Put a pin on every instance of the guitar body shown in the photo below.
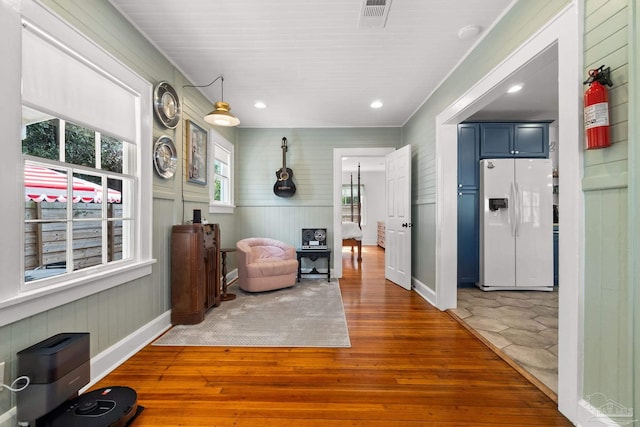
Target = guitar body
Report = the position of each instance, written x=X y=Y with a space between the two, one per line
x=284 y=186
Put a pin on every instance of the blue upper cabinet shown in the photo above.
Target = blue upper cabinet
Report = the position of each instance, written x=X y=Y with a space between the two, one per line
x=468 y=143
x=496 y=140
x=531 y=140
x=505 y=140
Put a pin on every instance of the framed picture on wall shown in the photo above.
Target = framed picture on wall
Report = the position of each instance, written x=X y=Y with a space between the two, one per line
x=196 y=153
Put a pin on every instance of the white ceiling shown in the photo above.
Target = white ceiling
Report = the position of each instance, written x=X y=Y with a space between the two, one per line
x=310 y=61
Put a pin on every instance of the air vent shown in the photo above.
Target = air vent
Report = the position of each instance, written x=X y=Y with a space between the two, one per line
x=374 y=13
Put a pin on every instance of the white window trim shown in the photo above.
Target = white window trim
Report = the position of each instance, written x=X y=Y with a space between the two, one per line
x=214 y=206
x=16 y=304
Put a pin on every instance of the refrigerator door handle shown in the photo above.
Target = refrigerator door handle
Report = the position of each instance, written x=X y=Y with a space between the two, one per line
x=518 y=211
x=511 y=217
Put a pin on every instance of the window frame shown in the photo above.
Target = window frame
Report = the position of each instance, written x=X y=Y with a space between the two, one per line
x=17 y=303
x=218 y=142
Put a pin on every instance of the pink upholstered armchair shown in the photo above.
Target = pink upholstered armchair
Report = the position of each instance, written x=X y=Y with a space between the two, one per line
x=265 y=264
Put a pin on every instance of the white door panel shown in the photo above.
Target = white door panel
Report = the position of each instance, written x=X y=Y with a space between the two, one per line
x=398 y=218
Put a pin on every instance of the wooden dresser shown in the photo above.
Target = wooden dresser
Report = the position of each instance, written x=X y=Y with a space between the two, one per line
x=381 y=230
x=195 y=272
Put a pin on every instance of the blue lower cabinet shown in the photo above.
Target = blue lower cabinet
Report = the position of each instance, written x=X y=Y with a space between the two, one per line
x=468 y=239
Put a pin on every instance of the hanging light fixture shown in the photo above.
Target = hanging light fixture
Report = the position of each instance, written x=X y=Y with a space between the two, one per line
x=221 y=114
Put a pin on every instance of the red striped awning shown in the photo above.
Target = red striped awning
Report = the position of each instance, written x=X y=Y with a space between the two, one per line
x=42 y=184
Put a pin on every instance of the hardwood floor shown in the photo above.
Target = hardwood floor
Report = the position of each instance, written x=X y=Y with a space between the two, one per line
x=409 y=365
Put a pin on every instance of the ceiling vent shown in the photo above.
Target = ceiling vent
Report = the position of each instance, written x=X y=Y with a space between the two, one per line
x=374 y=13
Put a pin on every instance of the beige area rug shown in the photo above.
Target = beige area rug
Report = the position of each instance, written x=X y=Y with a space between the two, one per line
x=309 y=314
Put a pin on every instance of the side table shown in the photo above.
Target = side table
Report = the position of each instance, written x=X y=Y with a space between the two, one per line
x=225 y=296
x=313 y=255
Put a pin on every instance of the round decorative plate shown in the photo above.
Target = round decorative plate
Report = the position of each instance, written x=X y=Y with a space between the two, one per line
x=165 y=157
x=166 y=105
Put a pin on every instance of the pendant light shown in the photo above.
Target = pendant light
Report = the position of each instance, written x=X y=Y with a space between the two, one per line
x=221 y=114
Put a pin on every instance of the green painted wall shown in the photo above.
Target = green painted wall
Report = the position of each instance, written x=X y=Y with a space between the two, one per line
x=310 y=155
x=608 y=318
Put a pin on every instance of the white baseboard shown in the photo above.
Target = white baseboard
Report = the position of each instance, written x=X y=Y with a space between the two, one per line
x=424 y=291
x=118 y=353
x=589 y=416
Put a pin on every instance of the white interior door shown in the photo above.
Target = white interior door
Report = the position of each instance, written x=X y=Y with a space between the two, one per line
x=397 y=255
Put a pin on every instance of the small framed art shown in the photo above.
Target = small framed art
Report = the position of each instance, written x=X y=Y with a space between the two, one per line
x=197 y=153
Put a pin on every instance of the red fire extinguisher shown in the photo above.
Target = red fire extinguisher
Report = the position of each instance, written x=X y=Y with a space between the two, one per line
x=596 y=109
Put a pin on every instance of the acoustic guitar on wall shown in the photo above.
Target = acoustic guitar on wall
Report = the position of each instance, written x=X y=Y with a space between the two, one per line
x=284 y=186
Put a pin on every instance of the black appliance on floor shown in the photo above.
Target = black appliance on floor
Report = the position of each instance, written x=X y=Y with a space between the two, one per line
x=58 y=368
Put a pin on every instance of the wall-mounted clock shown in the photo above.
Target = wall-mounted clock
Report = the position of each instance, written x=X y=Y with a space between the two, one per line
x=165 y=157
x=166 y=105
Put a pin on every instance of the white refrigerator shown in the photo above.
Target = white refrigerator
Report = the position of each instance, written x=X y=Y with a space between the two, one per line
x=516 y=224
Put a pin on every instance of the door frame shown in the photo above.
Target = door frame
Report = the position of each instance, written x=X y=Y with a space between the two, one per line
x=338 y=154
x=565 y=30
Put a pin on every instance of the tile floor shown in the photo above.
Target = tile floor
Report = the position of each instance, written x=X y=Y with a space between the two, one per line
x=522 y=324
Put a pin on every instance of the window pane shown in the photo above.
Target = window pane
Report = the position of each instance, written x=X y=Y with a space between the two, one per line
x=87 y=244
x=114 y=200
x=111 y=154
x=217 y=192
x=87 y=196
x=80 y=147
x=114 y=240
x=45 y=250
x=40 y=138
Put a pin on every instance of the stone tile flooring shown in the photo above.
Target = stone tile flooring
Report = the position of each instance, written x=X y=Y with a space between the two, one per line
x=522 y=324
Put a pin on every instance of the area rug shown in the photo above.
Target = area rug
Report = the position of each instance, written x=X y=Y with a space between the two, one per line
x=309 y=314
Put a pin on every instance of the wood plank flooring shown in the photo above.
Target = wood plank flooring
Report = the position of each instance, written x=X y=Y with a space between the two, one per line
x=409 y=365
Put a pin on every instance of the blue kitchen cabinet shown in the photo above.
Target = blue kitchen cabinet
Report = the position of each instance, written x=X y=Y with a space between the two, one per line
x=496 y=140
x=468 y=239
x=508 y=140
x=531 y=140
x=468 y=191
x=468 y=146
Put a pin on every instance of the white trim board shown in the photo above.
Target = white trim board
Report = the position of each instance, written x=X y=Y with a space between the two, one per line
x=564 y=30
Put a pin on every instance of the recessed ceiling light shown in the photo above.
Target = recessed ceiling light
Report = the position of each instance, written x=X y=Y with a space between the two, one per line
x=260 y=105
x=468 y=32
x=376 y=104
x=515 y=88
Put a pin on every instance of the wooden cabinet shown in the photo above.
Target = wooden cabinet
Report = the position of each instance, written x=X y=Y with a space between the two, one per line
x=195 y=272
x=381 y=230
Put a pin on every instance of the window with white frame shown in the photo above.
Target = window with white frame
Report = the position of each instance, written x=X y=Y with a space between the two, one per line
x=78 y=200
x=222 y=157
x=83 y=120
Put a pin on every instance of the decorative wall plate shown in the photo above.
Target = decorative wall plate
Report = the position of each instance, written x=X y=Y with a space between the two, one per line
x=165 y=157
x=166 y=105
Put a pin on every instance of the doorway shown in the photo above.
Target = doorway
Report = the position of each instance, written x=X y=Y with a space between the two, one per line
x=562 y=31
x=347 y=158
